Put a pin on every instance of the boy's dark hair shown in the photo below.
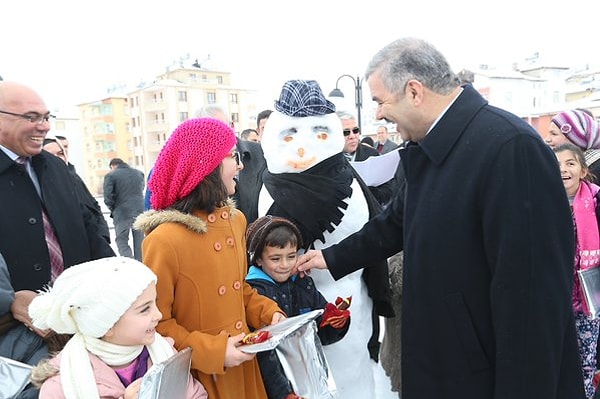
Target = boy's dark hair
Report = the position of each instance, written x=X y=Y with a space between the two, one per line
x=271 y=231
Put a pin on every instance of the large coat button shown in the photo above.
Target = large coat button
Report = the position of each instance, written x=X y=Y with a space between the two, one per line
x=230 y=241
x=237 y=285
x=239 y=325
x=32 y=220
x=37 y=267
x=225 y=215
x=222 y=290
x=212 y=218
x=218 y=246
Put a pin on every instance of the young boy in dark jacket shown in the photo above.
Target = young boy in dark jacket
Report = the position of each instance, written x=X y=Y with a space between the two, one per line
x=273 y=244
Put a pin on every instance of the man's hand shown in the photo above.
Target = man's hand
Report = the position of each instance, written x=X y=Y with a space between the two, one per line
x=19 y=309
x=310 y=260
x=20 y=306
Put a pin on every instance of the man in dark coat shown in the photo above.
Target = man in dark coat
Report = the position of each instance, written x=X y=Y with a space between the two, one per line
x=33 y=182
x=124 y=197
x=250 y=178
x=55 y=147
x=487 y=237
x=354 y=150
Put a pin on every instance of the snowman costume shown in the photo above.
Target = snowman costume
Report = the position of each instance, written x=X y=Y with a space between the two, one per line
x=309 y=181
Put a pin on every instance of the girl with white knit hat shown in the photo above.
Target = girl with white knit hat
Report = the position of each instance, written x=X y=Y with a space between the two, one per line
x=109 y=305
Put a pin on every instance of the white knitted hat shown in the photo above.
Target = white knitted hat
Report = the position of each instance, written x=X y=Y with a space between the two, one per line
x=89 y=298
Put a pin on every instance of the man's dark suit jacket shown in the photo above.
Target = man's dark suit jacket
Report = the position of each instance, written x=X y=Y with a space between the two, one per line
x=250 y=178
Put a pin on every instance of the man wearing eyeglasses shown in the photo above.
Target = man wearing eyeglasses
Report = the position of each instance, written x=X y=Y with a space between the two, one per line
x=354 y=150
x=43 y=227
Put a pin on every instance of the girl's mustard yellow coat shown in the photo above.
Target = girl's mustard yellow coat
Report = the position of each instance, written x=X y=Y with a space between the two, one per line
x=201 y=264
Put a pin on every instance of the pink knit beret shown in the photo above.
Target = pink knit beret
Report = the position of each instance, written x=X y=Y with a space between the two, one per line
x=580 y=128
x=194 y=150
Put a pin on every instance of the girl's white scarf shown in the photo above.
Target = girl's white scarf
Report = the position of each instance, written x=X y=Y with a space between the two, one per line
x=76 y=374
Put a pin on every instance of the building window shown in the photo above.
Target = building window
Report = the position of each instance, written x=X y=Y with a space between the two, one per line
x=235 y=117
x=211 y=98
x=220 y=80
x=233 y=98
x=204 y=78
x=193 y=77
x=183 y=96
x=183 y=116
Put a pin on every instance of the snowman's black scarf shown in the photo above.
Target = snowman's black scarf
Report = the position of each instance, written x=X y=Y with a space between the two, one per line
x=311 y=199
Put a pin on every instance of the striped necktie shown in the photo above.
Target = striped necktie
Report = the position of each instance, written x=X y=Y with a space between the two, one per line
x=54 y=250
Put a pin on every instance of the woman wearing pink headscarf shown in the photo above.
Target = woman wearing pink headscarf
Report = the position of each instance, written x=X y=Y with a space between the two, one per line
x=582 y=129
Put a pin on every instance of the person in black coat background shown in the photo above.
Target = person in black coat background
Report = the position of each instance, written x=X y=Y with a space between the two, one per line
x=487 y=237
x=250 y=178
x=55 y=147
x=124 y=197
x=354 y=150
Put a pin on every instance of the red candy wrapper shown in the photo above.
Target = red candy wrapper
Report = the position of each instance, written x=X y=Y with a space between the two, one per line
x=256 y=337
x=336 y=315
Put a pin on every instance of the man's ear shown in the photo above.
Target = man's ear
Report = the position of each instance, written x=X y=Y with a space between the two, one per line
x=414 y=91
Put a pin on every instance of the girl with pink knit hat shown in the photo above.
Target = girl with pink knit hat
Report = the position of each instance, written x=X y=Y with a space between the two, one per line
x=579 y=127
x=195 y=243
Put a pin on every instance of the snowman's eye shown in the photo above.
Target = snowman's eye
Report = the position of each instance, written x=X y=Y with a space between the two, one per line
x=321 y=132
x=287 y=135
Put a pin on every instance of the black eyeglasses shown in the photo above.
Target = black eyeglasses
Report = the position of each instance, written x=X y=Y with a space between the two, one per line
x=32 y=117
x=355 y=130
x=237 y=156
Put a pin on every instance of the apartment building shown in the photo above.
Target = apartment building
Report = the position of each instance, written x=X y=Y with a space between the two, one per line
x=134 y=123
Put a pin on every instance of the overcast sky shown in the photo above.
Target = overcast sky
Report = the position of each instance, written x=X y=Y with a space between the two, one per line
x=71 y=51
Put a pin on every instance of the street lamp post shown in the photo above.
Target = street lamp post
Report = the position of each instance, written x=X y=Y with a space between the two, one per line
x=357 y=94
